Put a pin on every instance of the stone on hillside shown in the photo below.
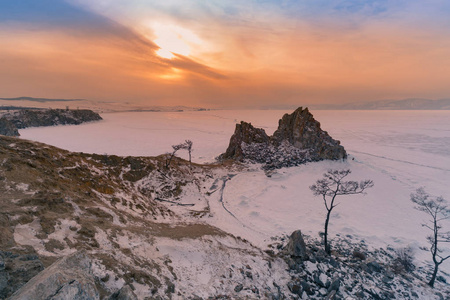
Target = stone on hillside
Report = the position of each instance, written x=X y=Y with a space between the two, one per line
x=70 y=278
x=125 y=293
x=296 y=246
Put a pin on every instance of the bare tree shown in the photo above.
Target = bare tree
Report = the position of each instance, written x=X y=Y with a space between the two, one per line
x=175 y=149
x=188 y=146
x=332 y=185
x=437 y=209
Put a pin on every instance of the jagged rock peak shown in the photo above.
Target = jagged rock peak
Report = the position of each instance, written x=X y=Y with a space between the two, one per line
x=297 y=140
x=244 y=133
x=302 y=131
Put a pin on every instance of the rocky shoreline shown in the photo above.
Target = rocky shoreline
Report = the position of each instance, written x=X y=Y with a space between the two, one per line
x=12 y=120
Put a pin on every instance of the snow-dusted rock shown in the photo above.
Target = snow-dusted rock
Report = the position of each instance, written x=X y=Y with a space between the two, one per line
x=297 y=140
x=247 y=134
x=302 y=131
x=69 y=278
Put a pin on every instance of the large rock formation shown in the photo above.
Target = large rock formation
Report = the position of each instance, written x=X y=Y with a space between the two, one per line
x=297 y=140
x=302 y=131
x=24 y=118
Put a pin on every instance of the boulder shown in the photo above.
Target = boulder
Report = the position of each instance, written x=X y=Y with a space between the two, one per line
x=125 y=293
x=69 y=278
x=296 y=246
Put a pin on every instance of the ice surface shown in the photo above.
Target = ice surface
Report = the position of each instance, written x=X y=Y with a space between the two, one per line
x=399 y=150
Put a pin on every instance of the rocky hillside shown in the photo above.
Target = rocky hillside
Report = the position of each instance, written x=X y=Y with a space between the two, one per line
x=297 y=140
x=130 y=216
x=11 y=121
x=83 y=226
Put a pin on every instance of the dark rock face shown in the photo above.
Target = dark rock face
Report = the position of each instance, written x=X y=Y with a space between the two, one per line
x=51 y=117
x=69 y=278
x=302 y=131
x=25 y=118
x=296 y=246
x=125 y=293
x=16 y=270
x=8 y=128
x=297 y=140
x=245 y=133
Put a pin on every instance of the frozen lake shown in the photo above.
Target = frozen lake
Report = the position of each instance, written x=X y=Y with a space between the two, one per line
x=399 y=150
x=412 y=146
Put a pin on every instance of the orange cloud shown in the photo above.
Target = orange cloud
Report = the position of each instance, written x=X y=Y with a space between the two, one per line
x=247 y=58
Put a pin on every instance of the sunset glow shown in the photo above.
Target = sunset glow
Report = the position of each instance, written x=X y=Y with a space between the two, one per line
x=173 y=39
x=225 y=53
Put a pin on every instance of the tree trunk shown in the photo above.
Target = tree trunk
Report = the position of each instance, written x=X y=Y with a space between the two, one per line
x=325 y=238
x=169 y=161
x=433 y=277
x=434 y=251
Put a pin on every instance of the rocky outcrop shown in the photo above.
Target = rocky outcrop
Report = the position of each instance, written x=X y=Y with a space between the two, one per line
x=125 y=293
x=302 y=131
x=16 y=270
x=24 y=118
x=8 y=128
x=245 y=133
x=70 y=278
x=297 y=140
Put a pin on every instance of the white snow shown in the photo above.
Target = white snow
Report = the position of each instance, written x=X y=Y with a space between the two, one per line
x=399 y=150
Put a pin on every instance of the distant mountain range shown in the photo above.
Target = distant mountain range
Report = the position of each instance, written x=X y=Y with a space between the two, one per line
x=39 y=99
x=405 y=104
x=105 y=106
x=97 y=106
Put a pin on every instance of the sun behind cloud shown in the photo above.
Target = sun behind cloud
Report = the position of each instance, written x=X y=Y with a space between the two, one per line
x=173 y=39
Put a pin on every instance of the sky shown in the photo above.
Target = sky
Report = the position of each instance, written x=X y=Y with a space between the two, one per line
x=225 y=53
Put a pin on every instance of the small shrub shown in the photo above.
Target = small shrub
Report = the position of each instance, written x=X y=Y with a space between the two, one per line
x=403 y=261
x=359 y=255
